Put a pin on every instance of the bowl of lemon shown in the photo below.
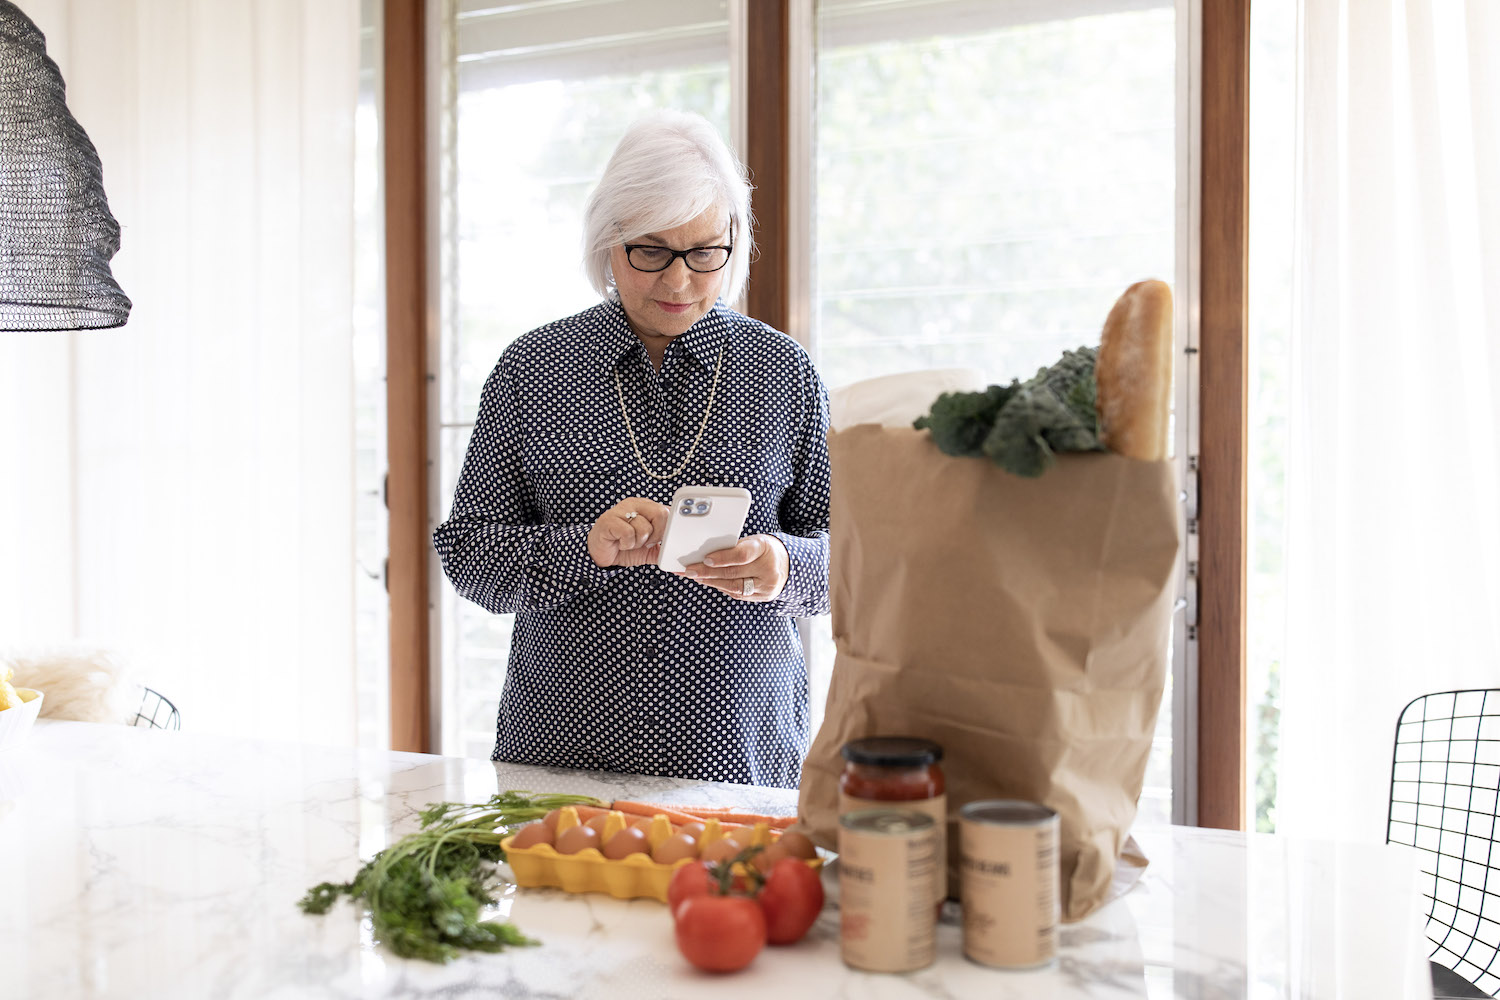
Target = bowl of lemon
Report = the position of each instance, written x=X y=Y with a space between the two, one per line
x=19 y=708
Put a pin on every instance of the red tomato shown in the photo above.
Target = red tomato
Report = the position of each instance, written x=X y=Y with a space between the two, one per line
x=720 y=933
x=792 y=899
x=690 y=880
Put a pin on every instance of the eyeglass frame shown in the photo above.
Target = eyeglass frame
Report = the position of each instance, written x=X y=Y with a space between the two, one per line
x=728 y=252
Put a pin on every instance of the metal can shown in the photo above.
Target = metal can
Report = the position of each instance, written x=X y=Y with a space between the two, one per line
x=1009 y=877
x=887 y=876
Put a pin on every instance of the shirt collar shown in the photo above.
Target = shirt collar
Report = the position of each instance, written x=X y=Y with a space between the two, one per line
x=701 y=342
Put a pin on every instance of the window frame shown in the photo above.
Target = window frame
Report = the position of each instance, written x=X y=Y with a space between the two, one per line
x=777 y=39
x=409 y=417
x=1223 y=400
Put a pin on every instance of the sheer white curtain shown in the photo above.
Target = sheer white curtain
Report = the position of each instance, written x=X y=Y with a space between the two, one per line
x=181 y=490
x=1393 y=486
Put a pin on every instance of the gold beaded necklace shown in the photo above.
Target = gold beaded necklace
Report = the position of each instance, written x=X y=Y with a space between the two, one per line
x=620 y=390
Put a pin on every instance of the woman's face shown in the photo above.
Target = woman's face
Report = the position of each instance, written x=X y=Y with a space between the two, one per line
x=662 y=305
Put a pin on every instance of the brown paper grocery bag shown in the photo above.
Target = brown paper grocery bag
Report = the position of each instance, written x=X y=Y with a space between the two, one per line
x=1021 y=623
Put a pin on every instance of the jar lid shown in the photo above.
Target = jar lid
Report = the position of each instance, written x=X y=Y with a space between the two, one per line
x=893 y=751
x=1007 y=812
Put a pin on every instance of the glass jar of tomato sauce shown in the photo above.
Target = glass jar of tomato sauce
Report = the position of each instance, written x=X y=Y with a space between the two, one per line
x=881 y=770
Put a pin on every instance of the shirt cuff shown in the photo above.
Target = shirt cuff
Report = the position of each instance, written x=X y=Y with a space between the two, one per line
x=566 y=553
x=806 y=590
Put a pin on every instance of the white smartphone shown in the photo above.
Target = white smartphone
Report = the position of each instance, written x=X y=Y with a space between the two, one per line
x=702 y=519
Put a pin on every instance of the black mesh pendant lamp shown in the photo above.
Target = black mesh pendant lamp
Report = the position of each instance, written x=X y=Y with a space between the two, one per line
x=56 y=233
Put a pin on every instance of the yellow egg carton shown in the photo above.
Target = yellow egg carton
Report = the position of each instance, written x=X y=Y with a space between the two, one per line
x=635 y=876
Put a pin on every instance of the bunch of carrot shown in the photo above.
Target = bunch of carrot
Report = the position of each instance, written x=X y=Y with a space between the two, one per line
x=680 y=815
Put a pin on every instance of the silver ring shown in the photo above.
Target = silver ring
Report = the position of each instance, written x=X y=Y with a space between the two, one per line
x=747 y=587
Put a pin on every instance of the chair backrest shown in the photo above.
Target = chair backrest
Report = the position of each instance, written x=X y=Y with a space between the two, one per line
x=156 y=712
x=1445 y=773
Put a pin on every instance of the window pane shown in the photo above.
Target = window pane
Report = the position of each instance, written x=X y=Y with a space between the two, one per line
x=372 y=603
x=1273 y=114
x=544 y=90
x=988 y=183
x=983 y=198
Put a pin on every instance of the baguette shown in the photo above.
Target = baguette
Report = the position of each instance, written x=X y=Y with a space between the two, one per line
x=1134 y=372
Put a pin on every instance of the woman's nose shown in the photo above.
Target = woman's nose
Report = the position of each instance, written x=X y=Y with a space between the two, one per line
x=677 y=275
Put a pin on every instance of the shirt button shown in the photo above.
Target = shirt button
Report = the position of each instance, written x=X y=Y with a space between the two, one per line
x=650 y=652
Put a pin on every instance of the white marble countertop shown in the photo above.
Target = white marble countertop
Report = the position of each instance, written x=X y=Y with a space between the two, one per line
x=136 y=863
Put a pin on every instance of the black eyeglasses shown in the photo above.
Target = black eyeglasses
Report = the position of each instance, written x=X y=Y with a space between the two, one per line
x=705 y=260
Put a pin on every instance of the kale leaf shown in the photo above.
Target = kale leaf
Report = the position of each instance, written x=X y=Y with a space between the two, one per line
x=960 y=421
x=1022 y=427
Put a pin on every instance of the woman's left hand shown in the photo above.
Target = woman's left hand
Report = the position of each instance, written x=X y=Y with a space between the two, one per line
x=753 y=569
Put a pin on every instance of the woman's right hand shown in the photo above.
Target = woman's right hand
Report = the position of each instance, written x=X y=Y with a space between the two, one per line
x=628 y=534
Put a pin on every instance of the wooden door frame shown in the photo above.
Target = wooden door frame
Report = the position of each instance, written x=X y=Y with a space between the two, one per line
x=403 y=148
x=767 y=155
x=1223 y=399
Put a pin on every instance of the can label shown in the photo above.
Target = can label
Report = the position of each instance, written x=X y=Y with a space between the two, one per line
x=887 y=871
x=1010 y=891
x=936 y=807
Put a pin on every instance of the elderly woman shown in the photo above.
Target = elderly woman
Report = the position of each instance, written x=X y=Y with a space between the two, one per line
x=586 y=427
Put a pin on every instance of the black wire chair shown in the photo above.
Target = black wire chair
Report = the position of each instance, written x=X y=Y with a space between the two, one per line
x=156 y=712
x=1445 y=773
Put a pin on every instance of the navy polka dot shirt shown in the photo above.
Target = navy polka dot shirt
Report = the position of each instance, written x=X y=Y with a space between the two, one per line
x=634 y=669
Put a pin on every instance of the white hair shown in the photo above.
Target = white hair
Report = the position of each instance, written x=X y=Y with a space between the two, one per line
x=669 y=168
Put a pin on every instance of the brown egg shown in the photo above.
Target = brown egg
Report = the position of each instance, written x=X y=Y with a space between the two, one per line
x=643 y=824
x=720 y=850
x=532 y=834
x=577 y=838
x=742 y=835
x=674 y=849
x=627 y=842
x=597 y=823
x=764 y=859
x=551 y=819
x=694 y=830
x=798 y=845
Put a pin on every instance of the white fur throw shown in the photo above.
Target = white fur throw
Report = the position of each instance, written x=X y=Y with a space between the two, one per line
x=82 y=684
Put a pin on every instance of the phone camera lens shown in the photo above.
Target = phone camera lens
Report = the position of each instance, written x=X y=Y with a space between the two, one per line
x=702 y=507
